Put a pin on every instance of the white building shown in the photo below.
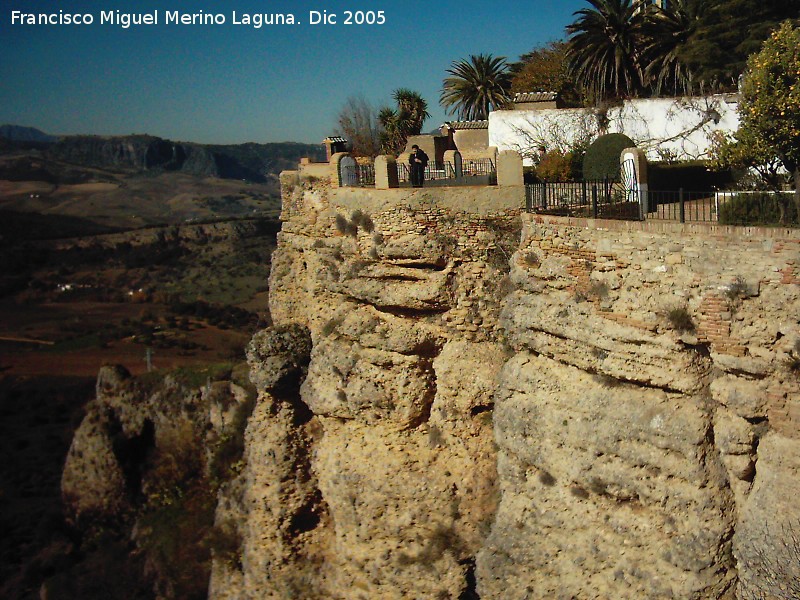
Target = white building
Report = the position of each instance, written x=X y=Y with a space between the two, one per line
x=665 y=128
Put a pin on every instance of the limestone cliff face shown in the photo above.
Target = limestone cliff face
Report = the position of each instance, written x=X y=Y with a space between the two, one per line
x=377 y=477
x=143 y=468
x=579 y=410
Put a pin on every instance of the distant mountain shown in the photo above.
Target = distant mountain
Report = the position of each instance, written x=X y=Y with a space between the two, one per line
x=146 y=153
x=17 y=133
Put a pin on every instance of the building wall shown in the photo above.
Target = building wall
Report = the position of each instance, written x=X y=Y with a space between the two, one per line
x=534 y=105
x=471 y=140
x=665 y=128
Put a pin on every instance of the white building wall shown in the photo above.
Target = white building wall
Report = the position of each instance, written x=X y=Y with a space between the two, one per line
x=665 y=128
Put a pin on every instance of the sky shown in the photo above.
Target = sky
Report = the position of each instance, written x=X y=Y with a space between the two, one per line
x=230 y=83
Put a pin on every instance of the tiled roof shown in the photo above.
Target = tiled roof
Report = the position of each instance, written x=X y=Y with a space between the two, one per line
x=535 y=97
x=459 y=125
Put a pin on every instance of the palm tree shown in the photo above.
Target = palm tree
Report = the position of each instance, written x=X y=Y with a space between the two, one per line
x=476 y=86
x=413 y=109
x=665 y=33
x=401 y=122
x=602 y=48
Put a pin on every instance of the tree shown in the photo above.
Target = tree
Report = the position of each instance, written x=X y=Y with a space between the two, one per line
x=624 y=48
x=413 y=108
x=358 y=122
x=769 y=109
x=726 y=33
x=403 y=121
x=603 y=48
x=476 y=86
x=545 y=69
x=665 y=32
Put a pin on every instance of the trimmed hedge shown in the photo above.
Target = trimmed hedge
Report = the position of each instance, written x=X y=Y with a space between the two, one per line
x=696 y=176
x=601 y=160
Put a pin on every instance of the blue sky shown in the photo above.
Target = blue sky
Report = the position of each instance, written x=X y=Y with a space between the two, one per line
x=235 y=83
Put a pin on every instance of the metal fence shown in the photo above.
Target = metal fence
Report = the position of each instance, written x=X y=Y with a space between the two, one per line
x=597 y=199
x=480 y=167
x=611 y=200
x=468 y=172
x=357 y=176
x=726 y=208
x=682 y=206
x=434 y=171
x=758 y=208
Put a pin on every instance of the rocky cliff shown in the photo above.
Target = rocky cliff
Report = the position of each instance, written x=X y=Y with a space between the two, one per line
x=587 y=410
x=458 y=401
x=145 y=153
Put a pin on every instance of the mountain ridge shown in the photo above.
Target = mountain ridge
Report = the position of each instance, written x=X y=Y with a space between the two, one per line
x=138 y=153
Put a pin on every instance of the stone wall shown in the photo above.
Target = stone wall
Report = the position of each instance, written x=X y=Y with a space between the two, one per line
x=645 y=418
x=508 y=406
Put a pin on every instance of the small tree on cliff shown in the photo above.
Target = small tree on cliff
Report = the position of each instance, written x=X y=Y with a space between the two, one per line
x=769 y=110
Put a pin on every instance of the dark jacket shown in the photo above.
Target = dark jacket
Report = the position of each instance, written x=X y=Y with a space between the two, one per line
x=420 y=154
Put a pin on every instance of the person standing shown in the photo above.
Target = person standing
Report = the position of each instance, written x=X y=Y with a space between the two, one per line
x=418 y=161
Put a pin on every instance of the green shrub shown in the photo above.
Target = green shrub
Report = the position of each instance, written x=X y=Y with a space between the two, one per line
x=601 y=160
x=555 y=166
x=173 y=537
x=368 y=224
x=737 y=289
x=680 y=319
x=531 y=259
x=793 y=358
x=228 y=451
x=225 y=543
x=759 y=209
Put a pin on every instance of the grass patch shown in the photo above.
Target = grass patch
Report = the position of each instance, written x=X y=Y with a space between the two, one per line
x=680 y=319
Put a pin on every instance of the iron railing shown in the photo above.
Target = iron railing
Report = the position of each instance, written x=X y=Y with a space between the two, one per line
x=478 y=167
x=434 y=171
x=611 y=200
x=603 y=199
x=357 y=176
x=471 y=172
x=682 y=206
x=758 y=208
x=726 y=208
